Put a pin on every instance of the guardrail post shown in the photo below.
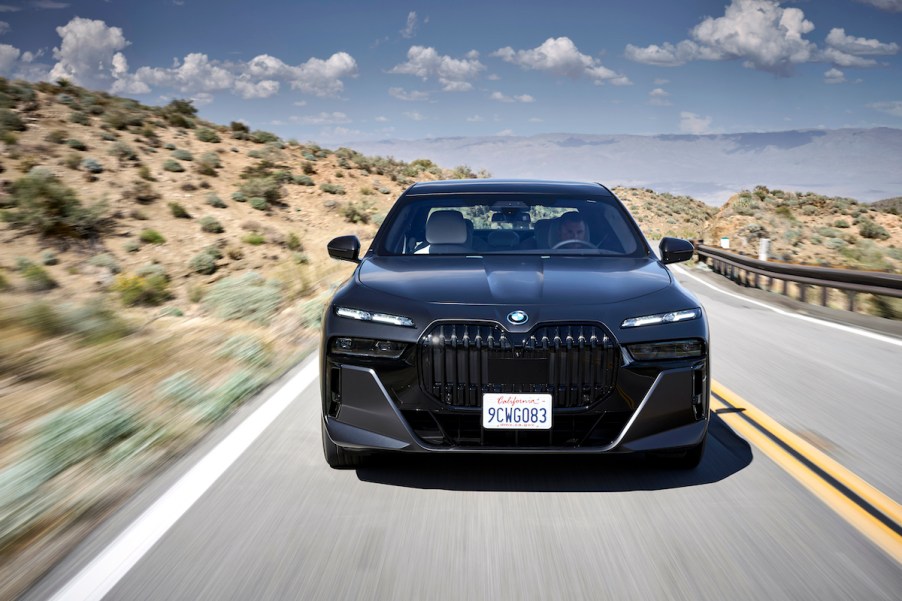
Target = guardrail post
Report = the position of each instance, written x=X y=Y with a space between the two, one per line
x=785 y=287
x=851 y=295
x=803 y=293
x=824 y=294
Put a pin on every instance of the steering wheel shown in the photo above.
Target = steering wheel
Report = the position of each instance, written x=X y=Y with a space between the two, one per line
x=585 y=243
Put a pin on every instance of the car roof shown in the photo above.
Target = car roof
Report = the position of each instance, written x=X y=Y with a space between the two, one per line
x=506 y=186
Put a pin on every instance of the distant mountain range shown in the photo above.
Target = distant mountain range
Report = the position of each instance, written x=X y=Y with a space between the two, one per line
x=864 y=164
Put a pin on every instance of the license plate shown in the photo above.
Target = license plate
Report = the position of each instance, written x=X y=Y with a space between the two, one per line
x=516 y=411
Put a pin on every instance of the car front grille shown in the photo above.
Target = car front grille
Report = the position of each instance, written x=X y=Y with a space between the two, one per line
x=459 y=362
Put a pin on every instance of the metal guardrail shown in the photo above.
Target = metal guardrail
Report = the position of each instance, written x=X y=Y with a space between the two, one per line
x=751 y=272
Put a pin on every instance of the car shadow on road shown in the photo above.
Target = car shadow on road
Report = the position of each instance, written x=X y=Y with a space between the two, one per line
x=725 y=455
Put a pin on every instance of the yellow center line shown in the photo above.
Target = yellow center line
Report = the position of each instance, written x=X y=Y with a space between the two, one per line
x=761 y=430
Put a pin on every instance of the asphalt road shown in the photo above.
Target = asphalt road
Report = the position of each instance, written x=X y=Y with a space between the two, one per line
x=279 y=524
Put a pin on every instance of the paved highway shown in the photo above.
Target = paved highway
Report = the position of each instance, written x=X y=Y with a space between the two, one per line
x=279 y=524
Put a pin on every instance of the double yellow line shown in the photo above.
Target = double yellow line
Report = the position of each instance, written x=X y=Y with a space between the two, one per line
x=867 y=509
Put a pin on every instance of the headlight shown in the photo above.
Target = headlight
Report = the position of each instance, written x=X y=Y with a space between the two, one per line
x=672 y=349
x=659 y=318
x=394 y=320
x=364 y=347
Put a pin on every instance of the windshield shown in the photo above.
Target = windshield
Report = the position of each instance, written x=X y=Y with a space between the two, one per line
x=476 y=224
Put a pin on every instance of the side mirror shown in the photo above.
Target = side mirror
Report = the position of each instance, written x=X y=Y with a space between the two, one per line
x=675 y=250
x=345 y=248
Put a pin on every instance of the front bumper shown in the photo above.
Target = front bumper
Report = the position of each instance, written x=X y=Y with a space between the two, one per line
x=647 y=413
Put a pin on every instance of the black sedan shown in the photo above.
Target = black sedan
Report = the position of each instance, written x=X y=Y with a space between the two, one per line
x=494 y=316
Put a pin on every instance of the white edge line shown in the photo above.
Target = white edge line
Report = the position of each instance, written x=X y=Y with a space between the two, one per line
x=829 y=324
x=97 y=578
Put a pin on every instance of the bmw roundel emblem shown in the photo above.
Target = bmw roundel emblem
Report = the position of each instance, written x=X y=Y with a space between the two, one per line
x=517 y=317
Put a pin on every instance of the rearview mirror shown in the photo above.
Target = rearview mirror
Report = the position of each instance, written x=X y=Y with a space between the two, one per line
x=345 y=248
x=675 y=250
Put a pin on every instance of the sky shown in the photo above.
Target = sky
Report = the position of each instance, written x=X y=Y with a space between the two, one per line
x=333 y=72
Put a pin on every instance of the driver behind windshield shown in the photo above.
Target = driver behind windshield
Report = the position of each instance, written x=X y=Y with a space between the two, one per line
x=572 y=227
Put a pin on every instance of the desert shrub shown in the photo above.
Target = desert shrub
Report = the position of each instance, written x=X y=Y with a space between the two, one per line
x=259 y=203
x=73 y=434
x=205 y=134
x=183 y=388
x=169 y=146
x=48 y=257
x=123 y=152
x=235 y=389
x=91 y=166
x=293 y=242
x=262 y=137
x=143 y=192
x=308 y=168
x=886 y=307
x=45 y=206
x=300 y=258
x=151 y=236
x=105 y=260
x=332 y=188
x=91 y=322
x=10 y=121
x=865 y=254
x=302 y=180
x=37 y=279
x=208 y=164
x=211 y=225
x=57 y=136
x=828 y=232
x=108 y=137
x=367 y=191
x=358 y=212
x=871 y=229
x=188 y=187
x=254 y=239
x=263 y=187
x=144 y=173
x=76 y=144
x=841 y=223
x=203 y=263
x=245 y=349
x=383 y=190
x=173 y=165
x=182 y=155
x=785 y=212
x=239 y=126
x=178 y=211
x=239 y=197
x=132 y=246
x=142 y=290
x=214 y=201
x=247 y=296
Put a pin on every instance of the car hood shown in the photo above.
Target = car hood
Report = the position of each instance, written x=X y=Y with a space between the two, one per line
x=520 y=280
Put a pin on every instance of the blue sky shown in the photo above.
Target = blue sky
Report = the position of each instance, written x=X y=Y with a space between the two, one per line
x=356 y=70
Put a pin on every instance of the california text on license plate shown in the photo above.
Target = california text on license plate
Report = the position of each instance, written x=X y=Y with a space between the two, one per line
x=516 y=411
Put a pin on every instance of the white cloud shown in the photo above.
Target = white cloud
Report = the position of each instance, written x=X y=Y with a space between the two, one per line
x=201 y=99
x=504 y=98
x=4 y=27
x=415 y=116
x=380 y=119
x=333 y=118
x=892 y=107
x=87 y=54
x=9 y=56
x=536 y=120
x=411 y=27
x=764 y=36
x=694 y=124
x=887 y=5
x=260 y=77
x=660 y=81
x=454 y=74
x=505 y=132
x=848 y=44
x=411 y=96
x=834 y=76
x=659 y=97
x=475 y=119
x=560 y=56
x=6 y=8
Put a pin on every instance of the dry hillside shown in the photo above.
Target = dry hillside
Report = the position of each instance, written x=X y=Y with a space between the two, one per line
x=156 y=269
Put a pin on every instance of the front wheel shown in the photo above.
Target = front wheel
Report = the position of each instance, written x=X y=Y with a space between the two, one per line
x=337 y=457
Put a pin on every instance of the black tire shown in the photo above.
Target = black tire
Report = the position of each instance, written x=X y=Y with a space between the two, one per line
x=337 y=457
x=683 y=460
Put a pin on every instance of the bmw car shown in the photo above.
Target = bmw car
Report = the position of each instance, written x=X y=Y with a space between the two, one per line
x=496 y=316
